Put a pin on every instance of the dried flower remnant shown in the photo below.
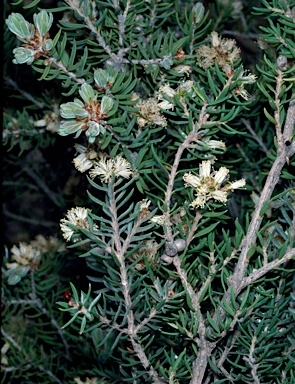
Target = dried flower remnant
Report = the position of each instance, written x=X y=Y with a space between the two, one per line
x=118 y=166
x=85 y=116
x=181 y=92
x=148 y=250
x=208 y=185
x=149 y=112
x=224 y=52
x=77 y=216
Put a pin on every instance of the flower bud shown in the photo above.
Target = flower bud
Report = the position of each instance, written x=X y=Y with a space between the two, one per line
x=106 y=104
x=198 y=11
x=87 y=93
x=20 y=27
x=43 y=21
x=23 y=55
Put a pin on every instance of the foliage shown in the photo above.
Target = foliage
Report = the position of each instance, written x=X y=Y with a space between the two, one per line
x=160 y=135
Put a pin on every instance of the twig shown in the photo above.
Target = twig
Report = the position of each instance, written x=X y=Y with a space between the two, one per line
x=251 y=361
x=27 y=95
x=28 y=220
x=255 y=136
x=188 y=140
x=119 y=252
x=255 y=275
x=42 y=185
x=59 y=65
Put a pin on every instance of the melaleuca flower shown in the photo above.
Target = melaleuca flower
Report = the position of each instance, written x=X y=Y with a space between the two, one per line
x=77 y=216
x=36 y=38
x=50 y=244
x=208 y=185
x=215 y=144
x=186 y=69
x=118 y=166
x=224 y=52
x=245 y=77
x=26 y=258
x=86 y=158
x=24 y=255
x=86 y=115
x=158 y=219
x=181 y=92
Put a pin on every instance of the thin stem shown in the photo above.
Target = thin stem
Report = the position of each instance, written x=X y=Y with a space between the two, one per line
x=120 y=255
x=188 y=140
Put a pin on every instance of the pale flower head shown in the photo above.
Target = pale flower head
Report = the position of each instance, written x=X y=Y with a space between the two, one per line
x=208 y=185
x=223 y=51
x=118 y=166
x=122 y=167
x=236 y=184
x=144 y=204
x=216 y=144
x=205 y=169
x=166 y=90
x=77 y=216
x=25 y=254
x=158 y=219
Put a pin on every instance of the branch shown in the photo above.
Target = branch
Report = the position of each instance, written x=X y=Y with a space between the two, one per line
x=120 y=255
x=188 y=140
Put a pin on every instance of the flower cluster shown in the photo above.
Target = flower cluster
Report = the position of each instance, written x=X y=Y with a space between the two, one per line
x=224 y=52
x=36 y=38
x=209 y=185
x=27 y=257
x=76 y=216
x=119 y=167
x=85 y=116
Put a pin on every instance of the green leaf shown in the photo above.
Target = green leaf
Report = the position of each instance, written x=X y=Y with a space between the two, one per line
x=204 y=231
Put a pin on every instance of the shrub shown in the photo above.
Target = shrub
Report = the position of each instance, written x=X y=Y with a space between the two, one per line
x=160 y=137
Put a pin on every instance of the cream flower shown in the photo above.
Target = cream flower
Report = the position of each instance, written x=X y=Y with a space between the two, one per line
x=122 y=167
x=77 y=216
x=208 y=185
x=158 y=219
x=144 y=204
x=118 y=166
x=85 y=159
x=25 y=254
